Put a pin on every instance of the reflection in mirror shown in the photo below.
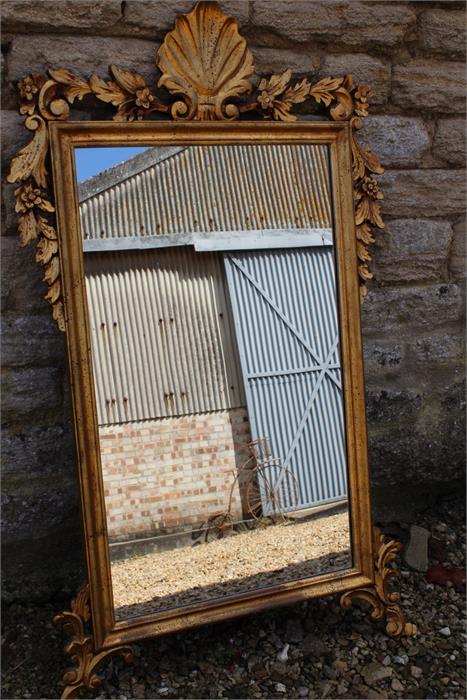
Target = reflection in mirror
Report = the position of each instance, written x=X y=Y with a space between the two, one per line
x=210 y=278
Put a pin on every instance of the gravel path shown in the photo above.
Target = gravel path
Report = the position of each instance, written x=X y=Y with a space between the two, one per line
x=243 y=562
x=330 y=654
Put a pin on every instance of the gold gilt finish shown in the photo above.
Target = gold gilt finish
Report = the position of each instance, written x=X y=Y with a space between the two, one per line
x=206 y=88
x=81 y=648
x=207 y=66
x=382 y=599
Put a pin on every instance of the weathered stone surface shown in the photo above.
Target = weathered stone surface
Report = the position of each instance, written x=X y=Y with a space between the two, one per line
x=31 y=395
x=443 y=31
x=388 y=310
x=152 y=18
x=412 y=451
x=39 y=451
x=350 y=23
x=423 y=193
x=458 y=258
x=389 y=405
x=383 y=357
x=440 y=347
x=416 y=552
x=24 y=16
x=449 y=141
x=14 y=135
x=365 y=70
x=438 y=86
x=397 y=141
x=269 y=60
x=413 y=250
x=22 y=288
x=31 y=340
x=83 y=54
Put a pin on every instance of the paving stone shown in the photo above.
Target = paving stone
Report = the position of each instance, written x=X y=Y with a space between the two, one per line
x=416 y=552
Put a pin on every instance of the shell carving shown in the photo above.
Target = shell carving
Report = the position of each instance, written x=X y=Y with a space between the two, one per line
x=206 y=61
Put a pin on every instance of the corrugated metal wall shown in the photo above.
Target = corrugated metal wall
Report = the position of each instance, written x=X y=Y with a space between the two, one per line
x=216 y=188
x=162 y=336
x=285 y=312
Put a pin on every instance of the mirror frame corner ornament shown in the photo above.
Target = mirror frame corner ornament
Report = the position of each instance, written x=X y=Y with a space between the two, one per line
x=224 y=92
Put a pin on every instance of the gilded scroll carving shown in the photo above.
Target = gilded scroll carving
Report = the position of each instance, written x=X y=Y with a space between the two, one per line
x=80 y=648
x=381 y=597
x=206 y=74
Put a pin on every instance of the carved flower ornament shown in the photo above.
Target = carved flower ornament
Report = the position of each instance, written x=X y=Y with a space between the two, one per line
x=206 y=70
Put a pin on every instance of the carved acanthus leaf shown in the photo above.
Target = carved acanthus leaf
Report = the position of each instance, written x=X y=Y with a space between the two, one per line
x=75 y=87
x=381 y=597
x=27 y=228
x=30 y=161
x=278 y=97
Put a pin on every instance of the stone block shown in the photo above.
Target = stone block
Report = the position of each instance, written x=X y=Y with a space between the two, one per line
x=276 y=60
x=412 y=451
x=24 y=16
x=437 y=348
x=31 y=340
x=416 y=552
x=365 y=70
x=22 y=288
x=14 y=136
x=449 y=141
x=389 y=405
x=383 y=358
x=423 y=193
x=413 y=250
x=154 y=18
x=397 y=141
x=438 y=86
x=443 y=31
x=350 y=23
x=82 y=54
x=458 y=258
x=398 y=309
x=46 y=451
x=31 y=395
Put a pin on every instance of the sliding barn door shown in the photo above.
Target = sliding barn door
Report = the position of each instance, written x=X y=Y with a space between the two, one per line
x=285 y=315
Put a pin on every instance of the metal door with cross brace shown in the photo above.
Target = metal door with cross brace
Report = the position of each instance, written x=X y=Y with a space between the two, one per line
x=285 y=315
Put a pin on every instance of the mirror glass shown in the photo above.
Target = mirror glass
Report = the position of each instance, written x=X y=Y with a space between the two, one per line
x=211 y=286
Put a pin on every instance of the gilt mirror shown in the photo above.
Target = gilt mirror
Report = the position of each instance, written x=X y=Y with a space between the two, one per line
x=207 y=262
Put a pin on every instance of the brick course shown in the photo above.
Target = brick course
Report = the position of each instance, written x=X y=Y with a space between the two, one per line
x=165 y=475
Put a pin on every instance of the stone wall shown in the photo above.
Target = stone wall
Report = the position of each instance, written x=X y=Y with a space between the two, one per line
x=412 y=54
x=163 y=475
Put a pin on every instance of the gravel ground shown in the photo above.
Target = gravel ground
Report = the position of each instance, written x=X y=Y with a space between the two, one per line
x=243 y=562
x=314 y=650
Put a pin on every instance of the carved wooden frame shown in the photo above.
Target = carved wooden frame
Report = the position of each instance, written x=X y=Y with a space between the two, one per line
x=206 y=94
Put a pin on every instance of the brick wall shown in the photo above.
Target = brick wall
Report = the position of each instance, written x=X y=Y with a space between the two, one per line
x=413 y=55
x=164 y=475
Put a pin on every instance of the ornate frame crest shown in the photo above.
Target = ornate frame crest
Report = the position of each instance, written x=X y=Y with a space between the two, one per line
x=206 y=73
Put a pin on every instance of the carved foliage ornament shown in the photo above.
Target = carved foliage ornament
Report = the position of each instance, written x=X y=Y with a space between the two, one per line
x=207 y=67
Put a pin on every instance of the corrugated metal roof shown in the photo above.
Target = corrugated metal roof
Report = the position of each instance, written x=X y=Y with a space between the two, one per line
x=162 y=336
x=214 y=188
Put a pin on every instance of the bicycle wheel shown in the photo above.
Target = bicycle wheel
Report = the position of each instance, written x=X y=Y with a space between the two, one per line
x=272 y=491
x=218 y=526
